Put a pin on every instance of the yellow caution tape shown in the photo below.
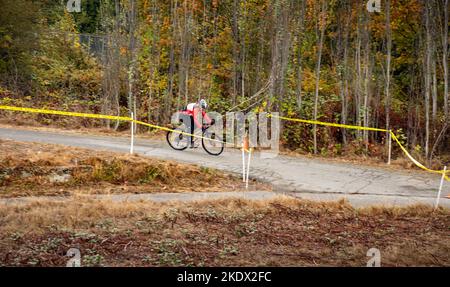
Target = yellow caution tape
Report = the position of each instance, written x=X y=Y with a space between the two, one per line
x=97 y=116
x=329 y=124
x=63 y=113
x=417 y=163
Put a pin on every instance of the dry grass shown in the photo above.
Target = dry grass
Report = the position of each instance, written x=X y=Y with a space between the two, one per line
x=281 y=232
x=43 y=169
x=70 y=129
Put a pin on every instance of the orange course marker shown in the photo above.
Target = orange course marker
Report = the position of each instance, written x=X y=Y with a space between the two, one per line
x=245 y=144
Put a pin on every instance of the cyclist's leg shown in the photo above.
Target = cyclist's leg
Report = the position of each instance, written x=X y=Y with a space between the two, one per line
x=192 y=131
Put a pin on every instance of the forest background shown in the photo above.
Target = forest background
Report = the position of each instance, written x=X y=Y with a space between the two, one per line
x=332 y=61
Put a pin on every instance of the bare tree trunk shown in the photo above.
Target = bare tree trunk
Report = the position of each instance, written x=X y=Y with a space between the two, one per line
x=285 y=48
x=132 y=59
x=434 y=92
x=344 y=77
x=117 y=64
x=280 y=51
x=214 y=48
x=341 y=62
x=275 y=55
x=427 y=75
x=387 y=90
x=367 y=77
x=187 y=53
x=434 y=84
x=411 y=108
x=439 y=138
x=237 y=69
x=322 y=24
x=155 y=59
x=445 y=58
x=243 y=56
x=259 y=61
x=301 y=29
x=106 y=17
x=169 y=92
x=107 y=83
x=183 y=73
x=357 y=82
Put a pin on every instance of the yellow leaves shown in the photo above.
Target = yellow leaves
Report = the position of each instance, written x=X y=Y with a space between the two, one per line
x=262 y=107
x=197 y=6
x=164 y=42
x=166 y=24
x=123 y=51
x=146 y=5
x=308 y=81
x=7 y=39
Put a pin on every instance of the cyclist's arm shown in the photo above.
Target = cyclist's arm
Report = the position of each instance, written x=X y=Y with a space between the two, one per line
x=205 y=117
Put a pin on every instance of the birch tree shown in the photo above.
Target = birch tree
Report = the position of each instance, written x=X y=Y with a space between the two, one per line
x=387 y=88
x=322 y=25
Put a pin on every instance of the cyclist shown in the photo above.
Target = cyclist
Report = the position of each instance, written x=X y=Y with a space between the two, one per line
x=194 y=110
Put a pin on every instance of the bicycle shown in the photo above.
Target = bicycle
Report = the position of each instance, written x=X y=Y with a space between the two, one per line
x=212 y=143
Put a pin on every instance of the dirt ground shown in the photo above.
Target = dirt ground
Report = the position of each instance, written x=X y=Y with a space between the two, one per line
x=281 y=232
x=233 y=232
x=33 y=169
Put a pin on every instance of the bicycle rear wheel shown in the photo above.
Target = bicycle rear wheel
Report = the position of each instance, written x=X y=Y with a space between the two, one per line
x=212 y=143
x=177 y=141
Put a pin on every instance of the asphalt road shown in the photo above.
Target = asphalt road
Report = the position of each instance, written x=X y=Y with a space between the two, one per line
x=313 y=179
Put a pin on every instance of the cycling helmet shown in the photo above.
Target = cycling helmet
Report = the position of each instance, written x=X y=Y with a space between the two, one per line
x=202 y=103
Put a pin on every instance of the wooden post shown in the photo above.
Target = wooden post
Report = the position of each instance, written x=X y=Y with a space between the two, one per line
x=243 y=163
x=132 y=134
x=389 y=146
x=248 y=168
x=440 y=189
x=244 y=149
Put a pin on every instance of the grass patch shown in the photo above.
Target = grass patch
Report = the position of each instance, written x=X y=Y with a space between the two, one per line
x=42 y=169
x=280 y=232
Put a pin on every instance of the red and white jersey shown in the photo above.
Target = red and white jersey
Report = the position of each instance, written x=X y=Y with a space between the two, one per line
x=193 y=109
x=190 y=107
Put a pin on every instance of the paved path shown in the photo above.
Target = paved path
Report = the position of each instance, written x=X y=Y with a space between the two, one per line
x=302 y=177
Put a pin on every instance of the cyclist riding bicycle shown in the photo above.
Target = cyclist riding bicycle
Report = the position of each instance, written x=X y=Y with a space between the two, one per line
x=194 y=111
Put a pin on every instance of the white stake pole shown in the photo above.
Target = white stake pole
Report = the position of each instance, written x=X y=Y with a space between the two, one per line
x=243 y=164
x=390 y=147
x=248 y=167
x=132 y=134
x=440 y=189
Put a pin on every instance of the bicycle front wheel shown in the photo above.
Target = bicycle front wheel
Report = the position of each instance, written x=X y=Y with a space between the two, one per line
x=212 y=143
